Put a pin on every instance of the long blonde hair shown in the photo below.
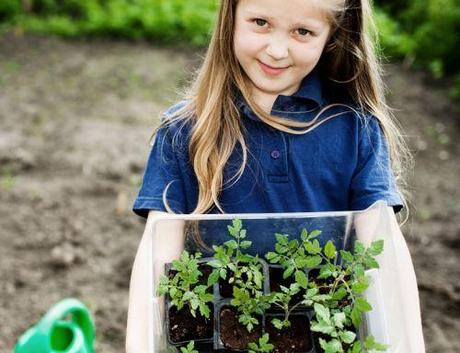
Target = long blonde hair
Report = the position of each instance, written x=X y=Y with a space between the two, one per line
x=352 y=68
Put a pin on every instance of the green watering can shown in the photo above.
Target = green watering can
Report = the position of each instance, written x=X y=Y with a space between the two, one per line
x=66 y=328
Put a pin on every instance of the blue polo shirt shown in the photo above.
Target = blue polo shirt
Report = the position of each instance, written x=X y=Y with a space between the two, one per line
x=343 y=164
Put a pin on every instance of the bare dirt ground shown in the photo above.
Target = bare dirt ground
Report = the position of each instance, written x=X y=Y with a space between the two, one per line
x=75 y=119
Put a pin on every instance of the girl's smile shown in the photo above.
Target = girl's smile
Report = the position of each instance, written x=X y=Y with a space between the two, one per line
x=274 y=71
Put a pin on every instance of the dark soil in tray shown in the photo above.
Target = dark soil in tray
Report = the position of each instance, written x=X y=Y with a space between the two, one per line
x=234 y=335
x=295 y=339
x=184 y=327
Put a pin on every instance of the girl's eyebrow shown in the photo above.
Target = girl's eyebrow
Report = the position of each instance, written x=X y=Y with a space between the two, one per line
x=311 y=22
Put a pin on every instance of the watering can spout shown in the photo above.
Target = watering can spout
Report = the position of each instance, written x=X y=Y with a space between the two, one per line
x=66 y=328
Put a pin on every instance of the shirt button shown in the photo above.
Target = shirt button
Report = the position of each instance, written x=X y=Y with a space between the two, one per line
x=275 y=154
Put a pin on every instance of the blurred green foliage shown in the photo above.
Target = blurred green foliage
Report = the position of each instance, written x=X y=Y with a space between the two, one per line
x=425 y=33
x=160 y=20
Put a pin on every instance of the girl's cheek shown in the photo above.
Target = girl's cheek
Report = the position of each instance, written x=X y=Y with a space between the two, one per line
x=248 y=43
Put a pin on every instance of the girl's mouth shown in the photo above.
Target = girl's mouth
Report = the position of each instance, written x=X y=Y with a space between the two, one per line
x=274 y=71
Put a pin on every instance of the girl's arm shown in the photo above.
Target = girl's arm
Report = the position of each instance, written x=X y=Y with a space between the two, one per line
x=165 y=245
x=399 y=285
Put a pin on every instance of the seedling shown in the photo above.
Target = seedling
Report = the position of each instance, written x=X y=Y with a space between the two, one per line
x=189 y=349
x=332 y=288
x=263 y=347
x=183 y=287
x=249 y=306
x=342 y=305
x=292 y=255
x=282 y=300
x=243 y=272
x=334 y=293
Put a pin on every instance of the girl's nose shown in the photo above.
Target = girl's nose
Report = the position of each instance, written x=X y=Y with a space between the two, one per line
x=278 y=48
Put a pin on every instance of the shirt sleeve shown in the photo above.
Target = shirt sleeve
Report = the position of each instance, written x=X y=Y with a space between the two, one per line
x=162 y=172
x=373 y=178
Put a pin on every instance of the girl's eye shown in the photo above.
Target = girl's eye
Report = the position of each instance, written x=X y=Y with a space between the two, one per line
x=260 y=22
x=303 y=32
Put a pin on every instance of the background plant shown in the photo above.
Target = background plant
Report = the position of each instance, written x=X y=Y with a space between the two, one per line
x=422 y=32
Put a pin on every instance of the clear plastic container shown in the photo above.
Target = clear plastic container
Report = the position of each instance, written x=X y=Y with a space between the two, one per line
x=385 y=322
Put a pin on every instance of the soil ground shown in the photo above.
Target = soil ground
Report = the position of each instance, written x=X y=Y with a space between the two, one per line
x=75 y=120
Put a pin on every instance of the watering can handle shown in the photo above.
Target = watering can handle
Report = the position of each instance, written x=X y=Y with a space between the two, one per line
x=80 y=316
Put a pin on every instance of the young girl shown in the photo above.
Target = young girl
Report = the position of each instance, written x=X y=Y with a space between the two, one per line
x=287 y=114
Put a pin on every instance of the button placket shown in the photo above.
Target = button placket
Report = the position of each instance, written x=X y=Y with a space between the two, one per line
x=277 y=171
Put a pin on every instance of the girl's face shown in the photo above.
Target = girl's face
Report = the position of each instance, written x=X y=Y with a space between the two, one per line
x=278 y=43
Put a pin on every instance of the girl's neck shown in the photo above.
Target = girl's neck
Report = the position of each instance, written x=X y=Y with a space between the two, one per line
x=264 y=100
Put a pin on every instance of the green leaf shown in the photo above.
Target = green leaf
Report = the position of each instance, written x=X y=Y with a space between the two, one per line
x=359 y=270
x=313 y=247
x=204 y=310
x=282 y=239
x=333 y=346
x=280 y=249
x=301 y=279
x=322 y=327
x=359 y=248
x=277 y=323
x=223 y=273
x=195 y=303
x=356 y=316
x=237 y=224
x=330 y=250
x=339 y=294
x=376 y=247
x=339 y=319
x=232 y=244
x=271 y=255
x=245 y=244
x=313 y=261
x=325 y=272
x=288 y=272
x=314 y=234
x=213 y=277
x=371 y=262
x=356 y=347
x=359 y=287
x=188 y=296
x=346 y=256
x=215 y=263
x=362 y=304
x=322 y=312
x=304 y=234
x=347 y=336
x=189 y=348
x=371 y=344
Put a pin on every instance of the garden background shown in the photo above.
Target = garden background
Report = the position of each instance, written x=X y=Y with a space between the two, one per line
x=82 y=85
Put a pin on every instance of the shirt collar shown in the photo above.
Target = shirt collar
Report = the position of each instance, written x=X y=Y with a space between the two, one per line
x=308 y=97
